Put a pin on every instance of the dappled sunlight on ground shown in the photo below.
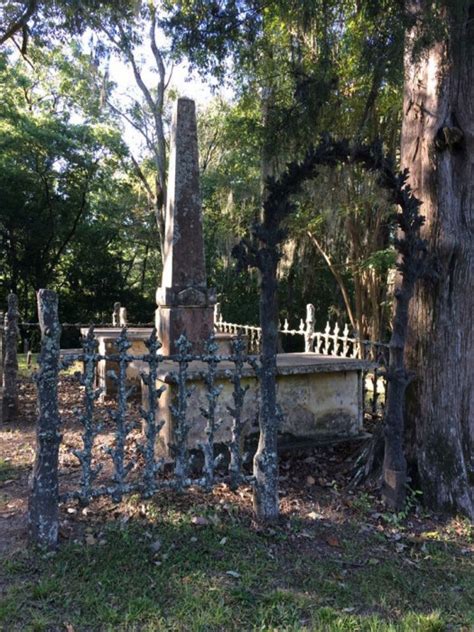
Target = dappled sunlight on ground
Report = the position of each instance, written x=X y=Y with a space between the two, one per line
x=198 y=561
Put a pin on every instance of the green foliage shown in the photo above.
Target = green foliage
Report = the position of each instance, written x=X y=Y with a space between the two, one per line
x=52 y=21
x=300 y=69
x=73 y=207
x=413 y=497
x=230 y=186
x=71 y=217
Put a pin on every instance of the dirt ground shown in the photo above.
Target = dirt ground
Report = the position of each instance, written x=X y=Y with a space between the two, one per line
x=314 y=482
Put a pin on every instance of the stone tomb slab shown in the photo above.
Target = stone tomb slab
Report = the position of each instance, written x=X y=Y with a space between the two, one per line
x=321 y=398
x=107 y=339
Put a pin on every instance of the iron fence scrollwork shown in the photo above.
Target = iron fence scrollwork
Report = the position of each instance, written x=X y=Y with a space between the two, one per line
x=110 y=470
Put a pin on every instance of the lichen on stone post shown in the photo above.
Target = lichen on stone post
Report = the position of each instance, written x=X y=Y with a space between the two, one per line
x=10 y=366
x=43 y=502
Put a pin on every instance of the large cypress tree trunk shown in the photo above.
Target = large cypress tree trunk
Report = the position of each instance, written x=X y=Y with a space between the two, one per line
x=438 y=149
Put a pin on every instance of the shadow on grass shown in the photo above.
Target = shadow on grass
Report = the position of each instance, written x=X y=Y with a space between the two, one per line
x=161 y=571
x=11 y=472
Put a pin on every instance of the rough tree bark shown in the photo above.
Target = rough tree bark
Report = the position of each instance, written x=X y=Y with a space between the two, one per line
x=43 y=504
x=10 y=367
x=438 y=150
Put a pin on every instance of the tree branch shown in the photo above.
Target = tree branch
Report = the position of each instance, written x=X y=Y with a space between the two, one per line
x=75 y=223
x=20 y=23
x=336 y=274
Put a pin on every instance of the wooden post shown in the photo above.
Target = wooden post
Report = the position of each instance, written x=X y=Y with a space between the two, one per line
x=327 y=338
x=10 y=367
x=335 y=340
x=43 y=503
x=345 y=341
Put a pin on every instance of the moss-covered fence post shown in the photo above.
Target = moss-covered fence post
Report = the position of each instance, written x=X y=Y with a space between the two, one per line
x=43 y=504
x=2 y=344
x=10 y=362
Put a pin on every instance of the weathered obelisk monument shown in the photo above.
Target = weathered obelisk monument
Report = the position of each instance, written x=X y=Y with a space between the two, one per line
x=185 y=303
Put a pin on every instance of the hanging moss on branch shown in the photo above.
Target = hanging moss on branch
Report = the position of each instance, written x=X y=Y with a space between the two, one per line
x=263 y=252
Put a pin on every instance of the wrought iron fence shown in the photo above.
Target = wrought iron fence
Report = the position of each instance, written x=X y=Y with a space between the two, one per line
x=150 y=481
x=123 y=477
x=151 y=472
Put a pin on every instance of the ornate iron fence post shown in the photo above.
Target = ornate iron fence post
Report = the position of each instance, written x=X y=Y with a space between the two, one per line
x=86 y=418
x=116 y=315
x=2 y=333
x=218 y=320
x=238 y=422
x=179 y=410
x=43 y=504
x=209 y=413
x=265 y=463
x=309 y=330
x=10 y=367
x=123 y=318
x=119 y=416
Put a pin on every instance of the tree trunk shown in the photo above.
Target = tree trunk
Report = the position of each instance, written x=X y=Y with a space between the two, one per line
x=438 y=149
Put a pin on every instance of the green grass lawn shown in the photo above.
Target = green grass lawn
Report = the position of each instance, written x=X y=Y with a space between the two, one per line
x=26 y=372
x=23 y=369
x=160 y=571
x=7 y=471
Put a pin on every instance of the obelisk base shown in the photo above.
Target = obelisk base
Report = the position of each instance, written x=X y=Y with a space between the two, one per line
x=196 y=322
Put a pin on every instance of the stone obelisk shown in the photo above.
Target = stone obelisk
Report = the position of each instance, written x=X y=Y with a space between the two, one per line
x=185 y=303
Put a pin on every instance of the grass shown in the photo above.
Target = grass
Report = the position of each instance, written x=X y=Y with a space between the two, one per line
x=7 y=471
x=226 y=576
x=23 y=369
x=26 y=371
